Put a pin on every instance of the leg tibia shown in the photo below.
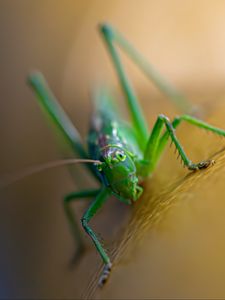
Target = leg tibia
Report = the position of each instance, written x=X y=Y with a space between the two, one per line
x=93 y=236
x=191 y=120
x=157 y=143
x=74 y=228
x=91 y=211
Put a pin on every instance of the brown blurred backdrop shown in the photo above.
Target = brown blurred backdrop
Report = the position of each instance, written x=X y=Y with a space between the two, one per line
x=183 y=39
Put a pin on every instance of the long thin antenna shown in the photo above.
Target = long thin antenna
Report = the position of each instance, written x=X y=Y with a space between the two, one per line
x=42 y=167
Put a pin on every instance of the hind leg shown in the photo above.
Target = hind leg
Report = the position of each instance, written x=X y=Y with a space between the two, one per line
x=156 y=142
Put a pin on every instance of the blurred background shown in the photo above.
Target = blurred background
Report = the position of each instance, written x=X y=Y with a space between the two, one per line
x=183 y=256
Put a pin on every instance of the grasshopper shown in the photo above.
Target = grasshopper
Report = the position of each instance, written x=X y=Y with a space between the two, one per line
x=122 y=154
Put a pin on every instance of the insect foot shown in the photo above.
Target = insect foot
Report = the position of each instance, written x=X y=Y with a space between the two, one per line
x=105 y=275
x=202 y=165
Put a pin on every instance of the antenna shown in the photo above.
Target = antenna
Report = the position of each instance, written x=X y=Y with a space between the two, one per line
x=10 y=179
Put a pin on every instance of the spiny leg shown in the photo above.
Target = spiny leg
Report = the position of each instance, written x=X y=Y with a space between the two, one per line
x=91 y=211
x=190 y=120
x=156 y=143
x=72 y=221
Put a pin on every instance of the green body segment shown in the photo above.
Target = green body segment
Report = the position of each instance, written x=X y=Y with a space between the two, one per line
x=127 y=153
x=108 y=127
x=113 y=142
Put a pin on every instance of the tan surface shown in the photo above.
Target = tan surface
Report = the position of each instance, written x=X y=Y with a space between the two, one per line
x=183 y=256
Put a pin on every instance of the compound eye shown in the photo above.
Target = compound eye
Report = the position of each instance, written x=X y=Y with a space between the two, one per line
x=120 y=156
x=99 y=167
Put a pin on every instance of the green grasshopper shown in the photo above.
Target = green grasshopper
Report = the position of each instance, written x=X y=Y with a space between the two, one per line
x=123 y=155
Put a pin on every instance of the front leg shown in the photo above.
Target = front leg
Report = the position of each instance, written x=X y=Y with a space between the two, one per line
x=91 y=211
x=155 y=142
x=72 y=221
